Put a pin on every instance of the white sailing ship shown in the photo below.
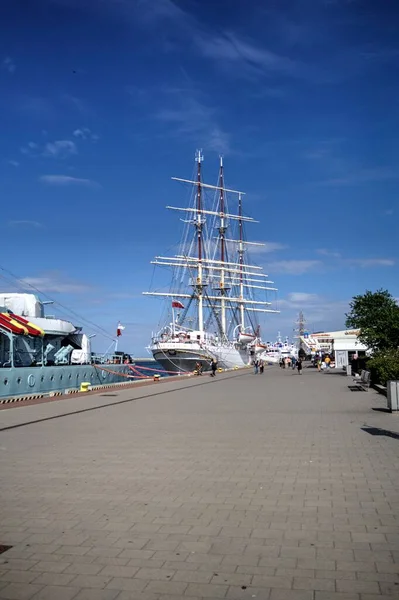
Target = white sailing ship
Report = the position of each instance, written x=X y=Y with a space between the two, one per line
x=214 y=290
x=279 y=350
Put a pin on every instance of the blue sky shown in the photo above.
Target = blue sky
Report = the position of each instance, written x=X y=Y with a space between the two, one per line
x=102 y=101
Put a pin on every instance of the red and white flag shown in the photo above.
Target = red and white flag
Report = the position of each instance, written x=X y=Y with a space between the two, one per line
x=119 y=330
x=177 y=304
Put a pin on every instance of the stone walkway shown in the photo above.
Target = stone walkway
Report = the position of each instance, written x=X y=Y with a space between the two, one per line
x=274 y=487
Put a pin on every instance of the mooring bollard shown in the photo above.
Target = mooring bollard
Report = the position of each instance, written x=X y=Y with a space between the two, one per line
x=85 y=386
x=157 y=377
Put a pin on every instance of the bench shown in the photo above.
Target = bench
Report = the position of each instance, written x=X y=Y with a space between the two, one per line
x=362 y=382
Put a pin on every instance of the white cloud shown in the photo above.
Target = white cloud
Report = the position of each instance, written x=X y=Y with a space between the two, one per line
x=84 y=133
x=293 y=267
x=160 y=10
x=25 y=223
x=242 y=54
x=303 y=298
x=54 y=282
x=370 y=262
x=60 y=149
x=373 y=174
x=266 y=248
x=65 y=180
x=189 y=117
x=8 y=64
x=13 y=163
x=330 y=253
x=389 y=212
x=320 y=312
x=356 y=262
x=31 y=148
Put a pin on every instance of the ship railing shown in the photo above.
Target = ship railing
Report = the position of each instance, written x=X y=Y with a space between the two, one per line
x=111 y=359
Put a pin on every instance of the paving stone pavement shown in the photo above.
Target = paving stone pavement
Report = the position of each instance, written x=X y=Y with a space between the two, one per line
x=274 y=486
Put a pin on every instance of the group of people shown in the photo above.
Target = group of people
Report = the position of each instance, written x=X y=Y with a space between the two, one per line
x=291 y=361
x=259 y=366
x=213 y=365
x=323 y=363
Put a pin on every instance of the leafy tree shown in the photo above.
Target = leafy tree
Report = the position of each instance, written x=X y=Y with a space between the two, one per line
x=384 y=366
x=376 y=314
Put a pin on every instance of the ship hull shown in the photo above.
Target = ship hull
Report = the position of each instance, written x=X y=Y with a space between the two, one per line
x=185 y=360
x=175 y=361
x=36 y=381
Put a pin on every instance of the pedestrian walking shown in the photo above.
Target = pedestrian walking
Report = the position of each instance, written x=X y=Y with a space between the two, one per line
x=261 y=366
x=256 y=366
x=293 y=363
x=214 y=366
x=299 y=366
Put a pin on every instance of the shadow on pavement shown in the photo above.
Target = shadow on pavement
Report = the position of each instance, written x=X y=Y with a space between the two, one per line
x=378 y=431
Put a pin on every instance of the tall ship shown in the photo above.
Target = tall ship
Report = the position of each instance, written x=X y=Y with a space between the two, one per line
x=216 y=294
x=279 y=350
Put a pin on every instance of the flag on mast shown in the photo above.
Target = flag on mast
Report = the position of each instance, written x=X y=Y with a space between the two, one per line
x=177 y=304
x=119 y=330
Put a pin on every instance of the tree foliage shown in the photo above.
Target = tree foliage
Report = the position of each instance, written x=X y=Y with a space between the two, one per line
x=384 y=366
x=376 y=314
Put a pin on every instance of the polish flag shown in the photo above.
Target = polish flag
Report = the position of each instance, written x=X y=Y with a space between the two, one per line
x=119 y=330
x=177 y=304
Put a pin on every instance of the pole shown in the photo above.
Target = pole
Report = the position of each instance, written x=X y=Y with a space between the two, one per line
x=222 y=230
x=199 y=286
x=241 y=261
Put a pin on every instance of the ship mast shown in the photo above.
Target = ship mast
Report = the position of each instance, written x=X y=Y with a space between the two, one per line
x=229 y=273
x=222 y=231
x=198 y=223
x=241 y=261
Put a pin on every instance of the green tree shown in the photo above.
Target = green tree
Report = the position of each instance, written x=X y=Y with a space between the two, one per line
x=384 y=366
x=376 y=314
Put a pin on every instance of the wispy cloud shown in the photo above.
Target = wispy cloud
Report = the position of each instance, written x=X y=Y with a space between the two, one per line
x=330 y=253
x=84 y=133
x=160 y=10
x=373 y=174
x=31 y=148
x=55 y=282
x=25 y=223
x=293 y=267
x=267 y=248
x=60 y=149
x=242 y=54
x=321 y=313
x=389 y=212
x=8 y=64
x=13 y=163
x=37 y=107
x=303 y=298
x=187 y=116
x=369 y=262
x=362 y=263
x=66 y=180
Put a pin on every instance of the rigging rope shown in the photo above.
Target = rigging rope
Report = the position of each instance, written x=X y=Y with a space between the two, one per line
x=23 y=284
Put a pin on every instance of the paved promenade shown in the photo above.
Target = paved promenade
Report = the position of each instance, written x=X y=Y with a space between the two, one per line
x=274 y=487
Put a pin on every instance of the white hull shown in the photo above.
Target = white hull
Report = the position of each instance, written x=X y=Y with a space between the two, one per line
x=183 y=357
